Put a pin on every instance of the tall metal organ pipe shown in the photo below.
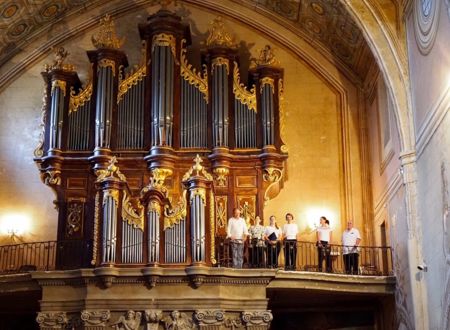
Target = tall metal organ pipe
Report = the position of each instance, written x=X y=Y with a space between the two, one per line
x=162 y=78
x=56 y=117
x=220 y=105
x=267 y=108
x=104 y=107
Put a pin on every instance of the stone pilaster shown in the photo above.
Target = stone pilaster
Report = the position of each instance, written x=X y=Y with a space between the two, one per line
x=414 y=244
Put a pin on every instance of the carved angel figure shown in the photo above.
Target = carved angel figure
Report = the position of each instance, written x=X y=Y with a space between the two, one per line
x=130 y=321
x=178 y=321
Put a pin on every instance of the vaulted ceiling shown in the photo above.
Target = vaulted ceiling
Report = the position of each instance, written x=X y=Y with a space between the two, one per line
x=324 y=23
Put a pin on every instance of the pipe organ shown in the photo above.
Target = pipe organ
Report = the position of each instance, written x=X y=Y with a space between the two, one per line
x=148 y=164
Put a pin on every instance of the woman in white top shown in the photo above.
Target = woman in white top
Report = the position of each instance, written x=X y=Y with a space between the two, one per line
x=324 y=234
x=257 y=244
x=272 y=235
x=290 y=233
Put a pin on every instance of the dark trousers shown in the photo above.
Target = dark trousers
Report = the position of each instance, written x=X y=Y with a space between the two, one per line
x=273 y=251
x=324 y=251
x=290 y=254
x=351 y=263
x=256 y=254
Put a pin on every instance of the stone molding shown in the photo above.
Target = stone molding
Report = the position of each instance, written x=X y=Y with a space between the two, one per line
x=52 y=320
x=426 y=22
x=435 y=116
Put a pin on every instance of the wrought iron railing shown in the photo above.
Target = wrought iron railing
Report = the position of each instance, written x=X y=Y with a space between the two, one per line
x=49 y=255
x=300 y=256
x=304 y=256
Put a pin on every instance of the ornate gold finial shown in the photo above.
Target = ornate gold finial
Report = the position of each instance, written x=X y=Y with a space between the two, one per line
x=58 y=63
x=197 y=166
x=198 y=169
x=267 y=57
x=218 y=36
x=107 y=37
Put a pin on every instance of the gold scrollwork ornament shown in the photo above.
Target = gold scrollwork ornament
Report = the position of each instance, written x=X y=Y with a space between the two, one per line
x=133 y=216
x=240 y=91
x=77 y=101
x=39 y=150
x=192 y=76
x=212 y=231
x=272 y=175
x=173 y=215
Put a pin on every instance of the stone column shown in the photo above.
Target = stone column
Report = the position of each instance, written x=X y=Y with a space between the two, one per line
x=52 y=320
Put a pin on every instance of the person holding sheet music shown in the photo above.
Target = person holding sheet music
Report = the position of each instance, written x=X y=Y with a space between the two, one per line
x=272 y=235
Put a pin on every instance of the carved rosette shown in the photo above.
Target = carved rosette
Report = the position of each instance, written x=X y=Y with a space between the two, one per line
x=52 y=320
x=95 y=318
x=209 y=317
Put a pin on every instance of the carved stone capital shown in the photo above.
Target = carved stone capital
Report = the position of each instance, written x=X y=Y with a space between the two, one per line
x=209 y=317
x=257 y=319
x=52 y=320
x=95 y=318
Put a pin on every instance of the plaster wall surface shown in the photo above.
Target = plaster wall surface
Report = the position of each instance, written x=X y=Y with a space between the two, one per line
x=430 y=82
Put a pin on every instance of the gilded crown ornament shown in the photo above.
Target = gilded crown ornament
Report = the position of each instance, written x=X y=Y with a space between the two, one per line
x=60 y=55
x=107 y=37
x=218 y=36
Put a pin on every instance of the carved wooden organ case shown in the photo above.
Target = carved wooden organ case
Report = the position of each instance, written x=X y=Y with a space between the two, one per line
x=148 y=166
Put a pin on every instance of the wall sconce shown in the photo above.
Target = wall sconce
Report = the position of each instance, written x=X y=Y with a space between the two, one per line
x=14 y=226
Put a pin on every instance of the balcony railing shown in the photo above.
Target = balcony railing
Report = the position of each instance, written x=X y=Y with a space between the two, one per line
x=304 y=256
x=49 y=255
x=301 y=256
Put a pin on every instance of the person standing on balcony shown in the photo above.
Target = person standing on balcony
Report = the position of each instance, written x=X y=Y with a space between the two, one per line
x=257 y=243
x=324 y=234
x=272 y=234
x=290 y=233
x=350 y=250
x=237 y=233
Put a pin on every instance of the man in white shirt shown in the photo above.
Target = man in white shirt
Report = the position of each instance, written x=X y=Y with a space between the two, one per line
x=350 y=241
x=324 y=234
x=237 y=233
